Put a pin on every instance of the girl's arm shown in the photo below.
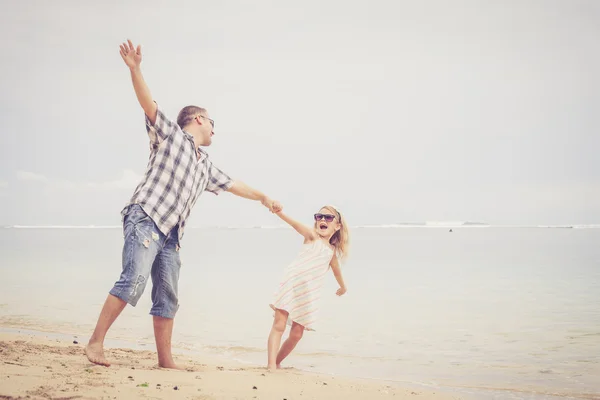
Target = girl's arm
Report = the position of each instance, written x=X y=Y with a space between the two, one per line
x=308 y=232
x=337 y=272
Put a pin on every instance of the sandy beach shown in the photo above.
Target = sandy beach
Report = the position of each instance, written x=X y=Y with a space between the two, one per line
x=39 y=367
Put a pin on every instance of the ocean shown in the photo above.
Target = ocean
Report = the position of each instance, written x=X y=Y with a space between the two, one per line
x=492 y=312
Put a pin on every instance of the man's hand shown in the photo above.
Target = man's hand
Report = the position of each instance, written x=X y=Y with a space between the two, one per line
x=239 y=188
x=272 y=205
x=131 y=55
x=133 y=59
x=341 y=291
x=277 y=207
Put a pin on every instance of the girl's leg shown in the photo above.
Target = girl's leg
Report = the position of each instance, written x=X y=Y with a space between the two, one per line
x=295 y=335
x=275 y=337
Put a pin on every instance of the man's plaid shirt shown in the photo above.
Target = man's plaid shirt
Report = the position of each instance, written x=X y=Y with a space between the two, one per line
x=175 y=177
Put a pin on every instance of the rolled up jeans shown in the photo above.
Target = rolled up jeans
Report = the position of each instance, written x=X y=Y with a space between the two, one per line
x=147 y=252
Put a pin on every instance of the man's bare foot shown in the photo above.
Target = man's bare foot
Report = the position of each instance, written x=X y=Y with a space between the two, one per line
x=278 y=366
x=95 y=353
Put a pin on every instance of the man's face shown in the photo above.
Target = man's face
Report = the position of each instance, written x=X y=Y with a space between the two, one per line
x=205 y=128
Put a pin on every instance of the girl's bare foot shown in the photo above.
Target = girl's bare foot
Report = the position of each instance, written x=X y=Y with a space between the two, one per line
x=95 y=353
x=171 y=365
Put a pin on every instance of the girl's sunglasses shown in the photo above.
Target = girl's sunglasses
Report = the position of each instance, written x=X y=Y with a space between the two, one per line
x=327 y=217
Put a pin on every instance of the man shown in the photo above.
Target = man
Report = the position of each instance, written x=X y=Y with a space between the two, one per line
x=178 y=172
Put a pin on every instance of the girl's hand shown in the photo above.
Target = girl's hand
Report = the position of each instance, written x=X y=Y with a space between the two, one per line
x=273 y=205
x=341 y=291
x=277 y=207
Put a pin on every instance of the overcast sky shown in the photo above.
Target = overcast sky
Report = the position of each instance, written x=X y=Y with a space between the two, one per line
x=392 y=110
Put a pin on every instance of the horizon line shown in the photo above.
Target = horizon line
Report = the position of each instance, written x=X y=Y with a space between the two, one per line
x=427 y=224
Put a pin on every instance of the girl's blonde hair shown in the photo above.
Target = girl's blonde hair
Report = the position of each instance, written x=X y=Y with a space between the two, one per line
x=340 y=239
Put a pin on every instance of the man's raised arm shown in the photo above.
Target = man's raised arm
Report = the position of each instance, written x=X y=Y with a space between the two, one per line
x=133 y=59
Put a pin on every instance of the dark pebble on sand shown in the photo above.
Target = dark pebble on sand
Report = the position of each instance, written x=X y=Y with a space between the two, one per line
x=175 y=388
x=132 y=367
x=325 y=383
x=130 y=377
x=75 y=342
x=254 y=387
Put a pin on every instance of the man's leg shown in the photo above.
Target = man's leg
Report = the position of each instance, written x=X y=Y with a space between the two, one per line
x=163 y=331
x=165 y=301
x=139 y=252
x=95 y=348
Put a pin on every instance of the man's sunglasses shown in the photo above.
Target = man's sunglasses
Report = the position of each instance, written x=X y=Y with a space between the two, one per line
x=327 y=217
x=212 y=122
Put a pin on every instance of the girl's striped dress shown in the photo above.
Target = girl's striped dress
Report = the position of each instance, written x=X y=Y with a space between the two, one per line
x=300 y=289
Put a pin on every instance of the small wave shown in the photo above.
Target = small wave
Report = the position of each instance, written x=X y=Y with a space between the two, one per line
x=234 y=349
x=587 y=226
x=556 y=226
x=445 y=224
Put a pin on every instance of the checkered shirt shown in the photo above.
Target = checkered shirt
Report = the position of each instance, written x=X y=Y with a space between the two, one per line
x=175 y=176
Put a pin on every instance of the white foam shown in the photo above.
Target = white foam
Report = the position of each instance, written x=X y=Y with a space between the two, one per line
x=586 y=226
x=445 y=224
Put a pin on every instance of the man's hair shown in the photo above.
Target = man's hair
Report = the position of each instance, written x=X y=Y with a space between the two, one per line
x=186 y=115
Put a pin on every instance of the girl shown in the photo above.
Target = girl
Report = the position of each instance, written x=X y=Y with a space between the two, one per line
x=296 y=301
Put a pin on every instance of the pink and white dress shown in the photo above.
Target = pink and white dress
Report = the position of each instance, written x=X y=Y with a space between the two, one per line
x=300 y=289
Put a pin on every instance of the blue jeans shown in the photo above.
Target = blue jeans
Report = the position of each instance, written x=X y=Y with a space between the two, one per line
x=148 y=252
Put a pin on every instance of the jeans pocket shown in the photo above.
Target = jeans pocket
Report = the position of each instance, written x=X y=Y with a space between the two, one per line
x=136 y=215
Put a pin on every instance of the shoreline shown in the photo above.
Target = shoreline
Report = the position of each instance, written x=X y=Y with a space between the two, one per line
x=41 y=365
x=33 y=357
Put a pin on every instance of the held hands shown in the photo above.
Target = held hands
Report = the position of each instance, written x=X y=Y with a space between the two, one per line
x=272 y=205
x=131 y=55
x=341 y=291
x=277 y=207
